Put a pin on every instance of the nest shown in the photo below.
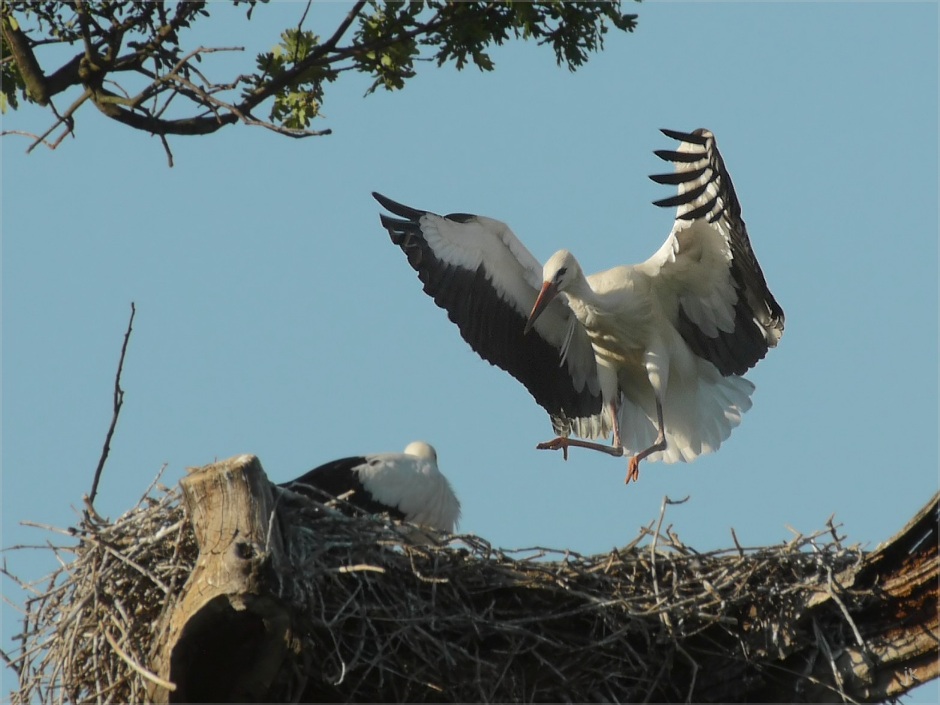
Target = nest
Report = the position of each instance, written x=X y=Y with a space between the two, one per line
x=87 y=626
x=384 y=617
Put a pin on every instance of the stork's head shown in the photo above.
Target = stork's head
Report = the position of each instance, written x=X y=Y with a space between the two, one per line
x=420 y=449
x=559 y=273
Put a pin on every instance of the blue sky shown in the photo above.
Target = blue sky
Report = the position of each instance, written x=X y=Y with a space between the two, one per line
x=274 y=316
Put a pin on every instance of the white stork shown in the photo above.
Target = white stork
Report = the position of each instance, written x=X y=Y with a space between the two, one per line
x=653 y=352
x=407 y=485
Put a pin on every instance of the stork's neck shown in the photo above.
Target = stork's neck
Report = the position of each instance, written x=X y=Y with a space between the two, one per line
x=584 y=301
x=580 y=290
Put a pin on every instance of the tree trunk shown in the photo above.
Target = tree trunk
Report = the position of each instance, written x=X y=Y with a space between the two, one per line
x=229 y=635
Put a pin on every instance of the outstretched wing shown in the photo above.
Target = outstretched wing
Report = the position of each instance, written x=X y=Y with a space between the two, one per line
x=706 y=270
x=487 y=281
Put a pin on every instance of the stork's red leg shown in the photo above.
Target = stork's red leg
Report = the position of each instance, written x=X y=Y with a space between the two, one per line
x=633 y=467
x=563 y=443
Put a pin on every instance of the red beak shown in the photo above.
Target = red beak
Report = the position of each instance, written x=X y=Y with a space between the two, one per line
x=546 y=295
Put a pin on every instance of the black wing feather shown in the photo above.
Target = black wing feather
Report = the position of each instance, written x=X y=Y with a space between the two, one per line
x=682 y=198
x=489 y=324
x=697 y=137
x=674 y=178
x=337 y=478
x=668 y=155
x=736 y=351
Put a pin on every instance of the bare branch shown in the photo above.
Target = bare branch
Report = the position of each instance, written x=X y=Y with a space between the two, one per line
x=152 y=677
x=65 y=118
x=303 y=17
x=118 y=403
x=212 y=102
x=737 y=545
x=166 y=147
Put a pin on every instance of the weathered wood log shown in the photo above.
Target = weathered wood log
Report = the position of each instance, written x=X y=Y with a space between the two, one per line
x=229 y=634
x=876 y=625
x=900 y=627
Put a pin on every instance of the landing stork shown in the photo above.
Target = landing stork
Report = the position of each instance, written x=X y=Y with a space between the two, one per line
x=653 y=353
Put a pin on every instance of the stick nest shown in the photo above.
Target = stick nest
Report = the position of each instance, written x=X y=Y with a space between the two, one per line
x=381 y=617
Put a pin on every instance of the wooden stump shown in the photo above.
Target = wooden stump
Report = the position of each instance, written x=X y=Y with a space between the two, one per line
x=228 y=640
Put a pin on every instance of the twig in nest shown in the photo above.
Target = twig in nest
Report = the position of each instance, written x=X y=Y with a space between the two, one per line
x=827 y=652
x=659 y=526
x=153 y=677
x=695 y=669
x=360 y=567
x=833 y=529
x=118 y=403
x=845 y=610
x=90 y=512
x=737 y=545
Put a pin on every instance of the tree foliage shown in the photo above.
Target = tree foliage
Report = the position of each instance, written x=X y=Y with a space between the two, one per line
x=141 y=65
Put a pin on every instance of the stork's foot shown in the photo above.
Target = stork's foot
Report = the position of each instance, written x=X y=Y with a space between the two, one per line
x=633 y=467
x=559 y=443
x=633 y=471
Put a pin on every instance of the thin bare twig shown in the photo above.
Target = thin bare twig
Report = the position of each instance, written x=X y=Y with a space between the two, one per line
x=830 y=658
x=845 y=611
x=695 y=670
x=300 y=25
x=166 y=148
x=656 y=533
x=118 y=403
x=152 y=677
x=737 y=545
x=65 y=118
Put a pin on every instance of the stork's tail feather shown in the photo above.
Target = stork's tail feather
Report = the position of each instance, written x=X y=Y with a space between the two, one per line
x=697 y=418
x=590 y=427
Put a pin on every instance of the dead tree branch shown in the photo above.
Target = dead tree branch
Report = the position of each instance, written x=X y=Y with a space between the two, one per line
x=118 y=403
